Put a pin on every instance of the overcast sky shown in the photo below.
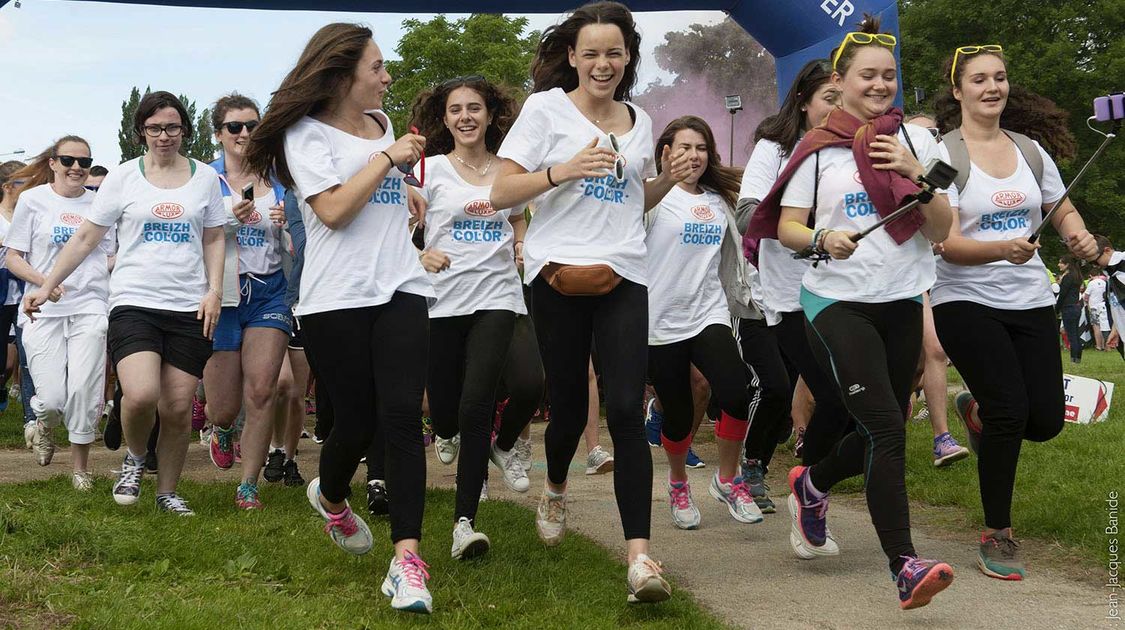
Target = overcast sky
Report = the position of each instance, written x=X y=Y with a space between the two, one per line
x=67 y=66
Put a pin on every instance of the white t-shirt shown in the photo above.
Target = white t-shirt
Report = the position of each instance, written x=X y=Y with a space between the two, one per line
x=1095 y=292
x=363 y=263
x=160 y=236
x=259 y=250
x=992 y=209
x=43 y=223
x=461 y=222
x=589 y=221
x=779 y=275
x=14 y=293
x=879 y=270
x=684 y=241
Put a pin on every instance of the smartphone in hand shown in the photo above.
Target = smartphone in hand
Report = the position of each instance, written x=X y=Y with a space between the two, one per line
x=248 y=192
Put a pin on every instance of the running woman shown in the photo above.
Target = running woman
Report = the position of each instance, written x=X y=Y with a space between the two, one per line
x=10 y=188
x=697 y=280
x=165 y=289
x=992 y=299
x=251 y=337
x=863 y=307
x=65 y=343
x=586 y=155
x=364 y=294
x=469 y=253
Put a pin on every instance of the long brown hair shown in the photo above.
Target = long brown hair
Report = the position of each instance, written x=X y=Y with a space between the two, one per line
x=786 y=125
x=325 y=68
x=725 y=181
x=7 y=169
x=428 y=113
x=39 y=172
x=551 y=67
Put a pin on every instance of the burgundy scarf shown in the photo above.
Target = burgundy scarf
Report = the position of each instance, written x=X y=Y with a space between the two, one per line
x=886 y=189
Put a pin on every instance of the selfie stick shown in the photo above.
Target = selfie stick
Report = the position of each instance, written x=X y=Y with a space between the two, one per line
x=1058 y=204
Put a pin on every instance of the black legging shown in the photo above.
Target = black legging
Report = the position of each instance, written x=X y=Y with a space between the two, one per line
x=521 y=383
x=1072 y=318
x=830 y=420
x=618 y=323
x=467 y=355
x=372 y=362
x=873 y=350
x=715 y=352
x=774 y=395
x=1010 y=362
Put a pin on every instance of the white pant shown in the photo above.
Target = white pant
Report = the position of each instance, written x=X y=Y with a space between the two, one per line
x=66 y=358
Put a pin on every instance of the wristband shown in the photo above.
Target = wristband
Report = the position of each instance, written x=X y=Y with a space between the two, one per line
x=815 y=238
x=549 y=180
x=389 y=158
x=819 y=245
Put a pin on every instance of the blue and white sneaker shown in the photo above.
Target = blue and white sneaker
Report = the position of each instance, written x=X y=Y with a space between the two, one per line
x=921 y=579
x=693 y=460
x=736 y=496
x=654 y=422
x=808 y=534
x=405 y=584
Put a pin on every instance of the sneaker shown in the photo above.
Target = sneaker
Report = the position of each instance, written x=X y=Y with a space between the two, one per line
x=799 y=443
x=305 y=434
x=550 y=518
x=654 y=423
x=317 y=439
x=693 y=460
x=347 y=530
x=447 y=449
x=809 y=530
x=246 y=497
x=292 y=474
x=29 y=434
x=204 y=436
x=645 y=584
x=127 y=488
x=174 y=504
x=598 y=461
x=14 y=391
x=275 y=466
x=151 y=465
x=466 y=542
x=405 y=584
x=82 y=481
x=947 y=450
x=684 y=513
x=43 y=444
x=755 y=479
x=377 y=502
x=999 y=557
x=515 y=477
x=222 y=447
x=923 y=414
x=198 y=415
x=523 y=450
x=969 y=412
x=919 y=580
x=736 y=496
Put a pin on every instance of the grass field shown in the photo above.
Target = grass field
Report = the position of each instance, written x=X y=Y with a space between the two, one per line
x=79 y=559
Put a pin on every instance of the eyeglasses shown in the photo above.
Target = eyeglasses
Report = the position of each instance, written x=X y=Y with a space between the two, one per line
x=469 y=78
x=235 y=127
x=408 y=169
x=92 y=188
x=69 y=160
x=154 y=131
x=619 y=162
x=882 y=39
x=970 y=50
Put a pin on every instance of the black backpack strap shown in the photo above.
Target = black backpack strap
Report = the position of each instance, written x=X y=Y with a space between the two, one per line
x=909 y=142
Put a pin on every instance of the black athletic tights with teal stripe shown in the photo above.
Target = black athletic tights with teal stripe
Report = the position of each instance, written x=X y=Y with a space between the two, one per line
x=873 y=350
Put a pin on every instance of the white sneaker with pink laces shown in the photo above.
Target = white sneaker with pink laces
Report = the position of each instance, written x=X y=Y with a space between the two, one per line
x=645 y=584
x=405 y=584
x=347 y=530
x=684 y=513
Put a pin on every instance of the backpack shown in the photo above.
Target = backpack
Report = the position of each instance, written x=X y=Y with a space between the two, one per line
x=959 y=155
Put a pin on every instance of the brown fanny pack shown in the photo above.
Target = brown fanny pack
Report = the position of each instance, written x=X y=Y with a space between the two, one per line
x=580 y=280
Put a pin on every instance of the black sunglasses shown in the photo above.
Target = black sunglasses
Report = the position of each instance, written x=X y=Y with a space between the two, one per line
x=235 y=127
x=471 y=78
x=68 y=161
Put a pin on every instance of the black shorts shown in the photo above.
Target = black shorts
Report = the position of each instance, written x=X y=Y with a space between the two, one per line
x=176 y=336
x=296 y=335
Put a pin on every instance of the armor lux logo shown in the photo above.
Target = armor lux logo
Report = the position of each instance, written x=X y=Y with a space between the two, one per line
x=168 y=210
x=703 y=213
x=255 y=217
x=70 y=218
x=1008 y=198
x=480 y=208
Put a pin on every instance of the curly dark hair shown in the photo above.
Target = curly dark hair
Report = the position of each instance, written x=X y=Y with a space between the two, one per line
x=428 y=113
x=1026 y=112
x=551 y=67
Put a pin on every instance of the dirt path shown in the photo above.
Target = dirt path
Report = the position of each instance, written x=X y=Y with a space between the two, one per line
x=747 y=574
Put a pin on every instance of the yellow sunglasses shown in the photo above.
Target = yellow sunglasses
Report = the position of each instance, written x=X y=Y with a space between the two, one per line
x=970 y=50
x=881 y=39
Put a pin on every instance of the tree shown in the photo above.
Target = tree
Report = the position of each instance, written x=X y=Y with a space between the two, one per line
x=710 y=62
x=129 y=148
x=1069 y=51
x=486 y=44
x=201 y=146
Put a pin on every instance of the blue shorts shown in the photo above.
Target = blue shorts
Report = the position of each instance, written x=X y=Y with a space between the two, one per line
x=262 y=305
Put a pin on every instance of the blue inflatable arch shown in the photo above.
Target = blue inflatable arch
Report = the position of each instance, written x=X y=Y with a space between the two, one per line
x=793 y=31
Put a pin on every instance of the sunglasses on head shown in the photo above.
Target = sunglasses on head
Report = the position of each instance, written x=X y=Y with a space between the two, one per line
x=69 y=160
x=469 y=78
x=235 y=127
x=882 y=39
x=619 y=161
x=408 y=169
x=970 y=50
